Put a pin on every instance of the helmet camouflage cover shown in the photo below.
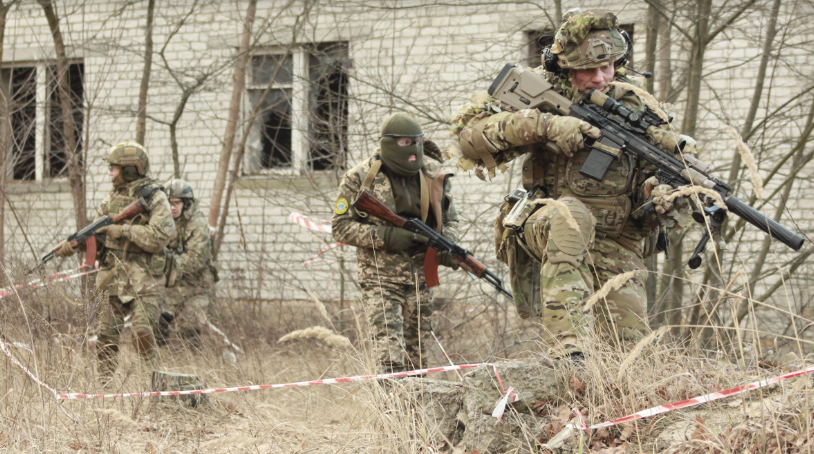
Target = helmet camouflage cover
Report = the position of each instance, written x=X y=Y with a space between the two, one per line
x=588 y=39
x=179 y=189
x=129 y=154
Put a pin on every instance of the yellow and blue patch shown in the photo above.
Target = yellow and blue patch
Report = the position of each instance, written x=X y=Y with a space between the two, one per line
x=341 y=205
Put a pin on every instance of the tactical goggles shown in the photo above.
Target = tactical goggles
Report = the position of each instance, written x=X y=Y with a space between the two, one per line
x=406 y=141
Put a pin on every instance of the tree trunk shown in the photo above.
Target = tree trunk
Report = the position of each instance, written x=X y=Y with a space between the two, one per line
x=557 y=13
x=651 y=43
x=75 y=165
x=5 y=141
x=234 y=113
x=665 y=72
x=141 y=123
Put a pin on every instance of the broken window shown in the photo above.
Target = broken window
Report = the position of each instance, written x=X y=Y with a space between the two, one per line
x=34 y=134
x=301 y=101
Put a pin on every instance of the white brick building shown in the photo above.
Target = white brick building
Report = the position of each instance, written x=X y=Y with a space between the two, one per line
x=384 y=56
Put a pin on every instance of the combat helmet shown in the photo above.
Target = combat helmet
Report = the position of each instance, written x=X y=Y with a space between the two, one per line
x=132 y=158
x=180 y=189
x=587 y=39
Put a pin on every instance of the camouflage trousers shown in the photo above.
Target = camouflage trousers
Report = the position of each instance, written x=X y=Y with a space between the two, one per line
x=143 y=312
x=575 y=264
x=190 y=314
x=399 y=320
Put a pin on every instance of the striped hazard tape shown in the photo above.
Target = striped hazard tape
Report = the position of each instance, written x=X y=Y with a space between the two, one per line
x=700 y=399
x=327 y=381
x=320 y=225
x=317 y=258
x=60 y=276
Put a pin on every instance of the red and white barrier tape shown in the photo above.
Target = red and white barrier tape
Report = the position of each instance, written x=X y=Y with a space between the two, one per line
x=60 y=276
x=320 y=225
x=317 y=258
x=4 y=347
x=701 y=399
x=225 y=338
x=327 y=381
x=500 y=408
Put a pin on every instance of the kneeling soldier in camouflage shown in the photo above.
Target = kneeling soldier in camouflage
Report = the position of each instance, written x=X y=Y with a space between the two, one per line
x=132 y=260
x=390 y=259
x=190 y=272
x=560 y=252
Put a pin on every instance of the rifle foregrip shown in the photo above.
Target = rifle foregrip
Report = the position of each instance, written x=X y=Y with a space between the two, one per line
x=368 y=203
x=762 y=222
x=472 y=265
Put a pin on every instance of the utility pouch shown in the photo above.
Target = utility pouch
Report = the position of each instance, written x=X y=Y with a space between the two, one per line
x=610 y=213
x=524 y=274
x=158 y=263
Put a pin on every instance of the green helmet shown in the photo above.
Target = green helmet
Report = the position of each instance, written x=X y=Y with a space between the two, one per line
x=132 y=158
x=588 y=39
x=179 y=189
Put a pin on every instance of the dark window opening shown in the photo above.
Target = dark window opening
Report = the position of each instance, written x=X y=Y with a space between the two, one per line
x=57 y=161
x=22 y=83
x=275 y=139
x=328 y=105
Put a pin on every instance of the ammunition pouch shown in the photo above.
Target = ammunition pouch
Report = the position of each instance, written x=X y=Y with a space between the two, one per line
x=157 y=262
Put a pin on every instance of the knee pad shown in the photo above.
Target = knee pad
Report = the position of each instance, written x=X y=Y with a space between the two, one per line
x=567 y=244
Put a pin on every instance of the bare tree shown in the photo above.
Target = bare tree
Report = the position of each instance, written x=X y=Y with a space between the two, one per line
x=141 y=124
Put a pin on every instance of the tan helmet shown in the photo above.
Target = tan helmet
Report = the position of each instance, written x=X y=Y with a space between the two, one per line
x=588 y=39
x=131 y=157
x=179 y=189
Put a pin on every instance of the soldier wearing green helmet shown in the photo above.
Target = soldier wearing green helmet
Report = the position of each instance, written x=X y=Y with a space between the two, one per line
x=191 y=274
x=132 y=260
x=560 y=253
x=405 y=174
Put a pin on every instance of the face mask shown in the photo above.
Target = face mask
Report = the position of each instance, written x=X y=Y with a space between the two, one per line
x=402 y=154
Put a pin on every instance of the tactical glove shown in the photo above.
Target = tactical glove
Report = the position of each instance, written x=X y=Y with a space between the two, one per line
x=397 y=239
x=448 y=260
x=567 y=132
x=113 y=232
x=652 y=187
x=64 y=249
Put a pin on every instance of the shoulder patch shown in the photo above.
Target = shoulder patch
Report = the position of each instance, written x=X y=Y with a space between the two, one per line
x=341 y=205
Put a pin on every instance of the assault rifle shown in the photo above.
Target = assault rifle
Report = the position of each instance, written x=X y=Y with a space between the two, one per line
x=87 y=236
x=368 y=203
x=622 y=132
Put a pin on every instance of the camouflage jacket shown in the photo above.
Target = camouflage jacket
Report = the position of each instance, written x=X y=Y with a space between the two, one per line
x=134 y=263
x=375 y=263
x=192 y=254
x=611 y=201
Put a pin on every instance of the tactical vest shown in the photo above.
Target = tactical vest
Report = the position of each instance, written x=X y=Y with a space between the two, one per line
x=120 y=199
x=432 y=191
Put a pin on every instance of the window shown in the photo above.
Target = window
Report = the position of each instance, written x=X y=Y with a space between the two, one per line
x=34 y=133
x=540 y=39
x=302 y=118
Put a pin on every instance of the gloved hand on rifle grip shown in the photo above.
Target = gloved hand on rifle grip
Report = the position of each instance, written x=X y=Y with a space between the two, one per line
x=448 y=260
x=566 y=134
x=64 y=249
x=113 y=231
x=652 y=187
x=397 y=239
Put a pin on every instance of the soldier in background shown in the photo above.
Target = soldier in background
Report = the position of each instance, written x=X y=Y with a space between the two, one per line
x=132 y=260
x=554 y=267
x=191 y=275
x=390 y=259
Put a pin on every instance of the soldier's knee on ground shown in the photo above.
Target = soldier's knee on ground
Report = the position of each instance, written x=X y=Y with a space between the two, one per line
x=567 y=244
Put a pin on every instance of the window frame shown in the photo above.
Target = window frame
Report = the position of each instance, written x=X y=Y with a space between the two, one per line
x=42 y=102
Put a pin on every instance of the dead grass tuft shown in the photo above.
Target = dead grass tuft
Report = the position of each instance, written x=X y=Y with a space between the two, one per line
x=748 y=158
x=614 y=284
x=563 y=209
x=116 y=414
x=637 y=350
x=693 y=190
x=319 y=333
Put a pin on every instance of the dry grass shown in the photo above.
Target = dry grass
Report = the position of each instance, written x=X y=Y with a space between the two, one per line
x=363 y=417
x=748 y=158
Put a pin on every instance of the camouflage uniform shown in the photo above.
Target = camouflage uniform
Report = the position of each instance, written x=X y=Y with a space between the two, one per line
x=132 y=267
x=555 y=268
x=395 y=296
x=191 y=295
